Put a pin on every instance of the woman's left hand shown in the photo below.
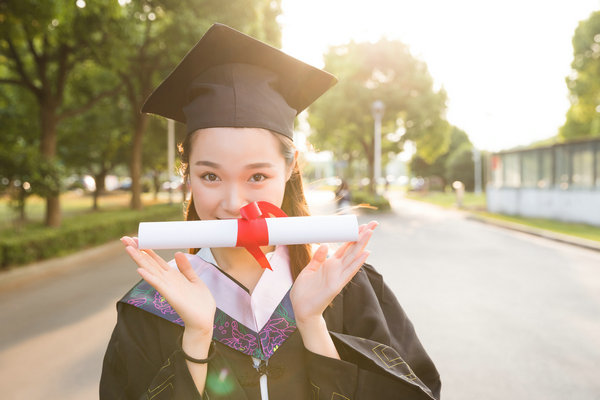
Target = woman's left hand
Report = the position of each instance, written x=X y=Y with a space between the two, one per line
x=323 y=278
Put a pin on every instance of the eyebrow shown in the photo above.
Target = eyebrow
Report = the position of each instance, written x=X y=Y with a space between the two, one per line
x=249 y=166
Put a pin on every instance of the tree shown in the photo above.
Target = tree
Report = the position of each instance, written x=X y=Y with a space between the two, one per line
x=41 y=47
x=22 y=171
x=96 y=142
x=583 y=117
x=17 y=155
x=150 y=37
x=461 y=167
x=385 y=71
x=455 y=164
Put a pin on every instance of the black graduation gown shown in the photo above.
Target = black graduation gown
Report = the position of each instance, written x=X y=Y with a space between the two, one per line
x=381 y=356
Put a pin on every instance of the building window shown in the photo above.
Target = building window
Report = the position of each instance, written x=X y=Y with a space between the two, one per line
x=512 y=170
x=562 y=170
x=545 y=180
x=530 y=169
x=583 y=167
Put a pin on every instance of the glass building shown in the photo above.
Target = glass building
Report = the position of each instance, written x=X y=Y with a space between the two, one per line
x=559 y=182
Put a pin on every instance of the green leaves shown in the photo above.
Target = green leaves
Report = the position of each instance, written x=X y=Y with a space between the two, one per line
x=384 y=71
x=583 y=117
x=73 y=75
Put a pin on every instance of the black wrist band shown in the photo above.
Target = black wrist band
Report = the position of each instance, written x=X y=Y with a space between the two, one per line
x=211 y=353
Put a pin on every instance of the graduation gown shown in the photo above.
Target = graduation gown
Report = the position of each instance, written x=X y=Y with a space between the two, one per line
x=381 y=356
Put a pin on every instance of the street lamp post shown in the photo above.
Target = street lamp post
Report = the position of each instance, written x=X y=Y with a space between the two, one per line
x=477 y=172
x=377 y=111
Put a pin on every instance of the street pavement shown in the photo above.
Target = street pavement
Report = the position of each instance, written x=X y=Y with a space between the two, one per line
x=503 y=314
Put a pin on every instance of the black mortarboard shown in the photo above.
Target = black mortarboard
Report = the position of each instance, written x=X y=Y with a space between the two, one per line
x=230 y=79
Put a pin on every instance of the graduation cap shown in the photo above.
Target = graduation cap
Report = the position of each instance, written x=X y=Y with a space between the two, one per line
x=229 y=79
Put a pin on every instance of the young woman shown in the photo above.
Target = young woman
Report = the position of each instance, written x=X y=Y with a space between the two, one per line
x=214 y=324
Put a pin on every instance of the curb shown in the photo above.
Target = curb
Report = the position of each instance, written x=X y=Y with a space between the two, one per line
x=559 y=237
x=20 y=275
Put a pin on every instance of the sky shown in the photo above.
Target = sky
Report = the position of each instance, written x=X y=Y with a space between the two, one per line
x=503 y=64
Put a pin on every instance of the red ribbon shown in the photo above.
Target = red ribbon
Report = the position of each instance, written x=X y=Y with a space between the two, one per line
x=252 y=228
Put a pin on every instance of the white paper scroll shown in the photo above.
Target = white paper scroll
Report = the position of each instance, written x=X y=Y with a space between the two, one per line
x=223 y=233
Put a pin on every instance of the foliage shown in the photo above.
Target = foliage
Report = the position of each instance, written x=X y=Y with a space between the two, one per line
x=37 y=243
x=69 y=58
x=377 y=203
x=583 y=117
x=342 y=120
x=455 y=164
x=42 y=46
x=150 y=37
x=96 y=142
x=23 y=171
x=460 y=166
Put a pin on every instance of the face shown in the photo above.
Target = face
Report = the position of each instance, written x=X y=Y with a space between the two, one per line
x=231 y=167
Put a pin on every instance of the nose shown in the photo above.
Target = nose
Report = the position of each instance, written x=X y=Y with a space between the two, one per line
x=233 y=200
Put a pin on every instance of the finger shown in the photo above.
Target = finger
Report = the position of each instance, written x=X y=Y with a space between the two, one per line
x=362 y=228
x=318 y=258
x=372 y=225
x=354 y=267
x=185 y=267
x=342 y=249
x=154 y=281
x=358 y=247
x=159 y=260
x=143 y=260
x=127 y=241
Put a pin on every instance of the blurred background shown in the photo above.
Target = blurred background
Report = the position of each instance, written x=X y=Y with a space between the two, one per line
x=451 y=122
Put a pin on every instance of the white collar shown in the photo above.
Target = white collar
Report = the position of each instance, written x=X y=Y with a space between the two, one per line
x=252 y=310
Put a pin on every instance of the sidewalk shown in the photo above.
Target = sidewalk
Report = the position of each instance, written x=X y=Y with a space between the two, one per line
x=559 y=237
x=21 y=275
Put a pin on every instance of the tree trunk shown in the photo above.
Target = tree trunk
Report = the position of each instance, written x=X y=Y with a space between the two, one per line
x=21 y=203
x=48 y=150
x=136 y=161
x=372 y=183
x=100 y=179
x=371 y=160
x=156 y=182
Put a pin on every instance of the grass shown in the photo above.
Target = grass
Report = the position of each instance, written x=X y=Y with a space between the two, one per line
x=476 y=204
x=579 y=230
x=73 y=204
x=471 y=201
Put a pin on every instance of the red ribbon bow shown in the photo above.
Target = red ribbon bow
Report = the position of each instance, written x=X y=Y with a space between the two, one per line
x=252 y=228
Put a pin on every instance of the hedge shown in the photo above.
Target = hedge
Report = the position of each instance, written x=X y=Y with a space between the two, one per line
x=38 y=243
x=379 y=202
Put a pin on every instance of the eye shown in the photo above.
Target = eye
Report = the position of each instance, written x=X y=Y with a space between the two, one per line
x=258 y=178
x=210 y=177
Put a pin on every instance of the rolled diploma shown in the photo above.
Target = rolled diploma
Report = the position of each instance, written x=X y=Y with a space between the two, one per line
x=223 y=233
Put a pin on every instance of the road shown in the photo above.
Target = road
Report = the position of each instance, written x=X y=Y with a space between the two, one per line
x=504 y=315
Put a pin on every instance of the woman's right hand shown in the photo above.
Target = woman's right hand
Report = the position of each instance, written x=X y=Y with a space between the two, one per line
x=183 y=289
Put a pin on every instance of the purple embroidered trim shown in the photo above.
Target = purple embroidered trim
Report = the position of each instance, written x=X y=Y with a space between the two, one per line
x=260 y=345
x=226 y=330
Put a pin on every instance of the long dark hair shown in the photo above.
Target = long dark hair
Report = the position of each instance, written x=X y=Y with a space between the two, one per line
x=294 y=203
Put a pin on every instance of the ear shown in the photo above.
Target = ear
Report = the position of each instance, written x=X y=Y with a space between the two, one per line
x=291 y=166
